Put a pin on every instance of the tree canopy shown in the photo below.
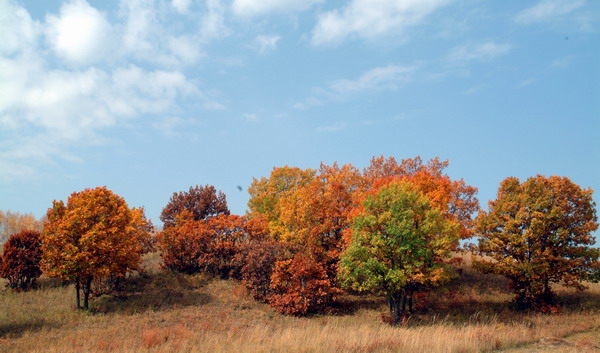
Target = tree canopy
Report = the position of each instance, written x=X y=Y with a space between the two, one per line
x=539 y=232
x=399 y=243
x=94 y=235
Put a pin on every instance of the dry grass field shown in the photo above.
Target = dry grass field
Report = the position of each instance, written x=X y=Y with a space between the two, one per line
x=165 y=312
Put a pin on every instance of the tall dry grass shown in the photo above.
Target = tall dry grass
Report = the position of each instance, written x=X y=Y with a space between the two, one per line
x=165 y=312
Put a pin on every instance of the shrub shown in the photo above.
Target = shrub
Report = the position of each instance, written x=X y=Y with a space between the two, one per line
x=21 y=259
x=300 y=286
x=256 y=261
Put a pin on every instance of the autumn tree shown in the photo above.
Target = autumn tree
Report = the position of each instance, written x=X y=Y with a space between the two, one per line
x=226 y=233
x=300 y=285
x=256 y=261
x=201 y=201
x=21 y=259
x=536 y=233
x=94 y=235
x=209 y=245
x=454 y=198
x=183 y=244
x=399 y=243
x=14 y=222
x=266 y=193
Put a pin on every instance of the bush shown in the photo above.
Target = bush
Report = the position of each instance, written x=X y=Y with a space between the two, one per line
x=183 y=245
x=301 y=286
x=21 y=259
x=256 y=261
x=210 y=245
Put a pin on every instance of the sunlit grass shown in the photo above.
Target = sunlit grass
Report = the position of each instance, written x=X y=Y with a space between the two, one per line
x=164 y=312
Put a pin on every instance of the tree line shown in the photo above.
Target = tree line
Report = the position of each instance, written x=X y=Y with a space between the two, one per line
x=393 y=229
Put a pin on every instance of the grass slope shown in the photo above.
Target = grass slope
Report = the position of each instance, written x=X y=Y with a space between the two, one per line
x=165 y=312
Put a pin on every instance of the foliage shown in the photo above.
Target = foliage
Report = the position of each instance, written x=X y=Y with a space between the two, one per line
x=257 y=260
x=95 y=235
x=454 y=198
x=183 y=245
x=226 y=232
x=316 y=214
x=21 y=259
x=209 y=245
x=202 y=202
x=14 y=222
x=300 y=286
x=539 y=232
x=399 y=243
x=266 y=193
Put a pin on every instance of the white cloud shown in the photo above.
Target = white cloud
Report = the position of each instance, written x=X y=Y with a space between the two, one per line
x=184 y=48
x=547 y=10
x=168 y=125
x=484 y=51
x=80 y=34
x=19 y=31
x=249 y=8
x=140 y=29
x=181 y=5
x=377 y=79
x=372 y=18
x=265 y=43
x=213 y=22
x=47 y=108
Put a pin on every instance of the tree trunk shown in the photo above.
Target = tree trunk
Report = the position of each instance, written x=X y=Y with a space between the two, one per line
x=86 y=292
x=77 y=291
x=410 y=293
x=395 y=307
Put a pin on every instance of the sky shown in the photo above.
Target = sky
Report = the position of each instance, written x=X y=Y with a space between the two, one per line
x=152 y=97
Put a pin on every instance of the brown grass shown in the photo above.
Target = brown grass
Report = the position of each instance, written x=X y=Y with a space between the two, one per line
x=165 y=312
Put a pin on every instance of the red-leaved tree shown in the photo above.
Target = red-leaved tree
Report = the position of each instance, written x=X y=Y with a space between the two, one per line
x=202 y=202
x=21 y=259
x=256 y=261
x=301 y=286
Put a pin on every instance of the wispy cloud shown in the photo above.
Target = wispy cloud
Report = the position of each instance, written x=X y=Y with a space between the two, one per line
x=251 y=117
x=526 y=82
x=265 y=43
x=547 y=10
x=377 y=79
x=250 y=8
x=369 y=19
x=484 y=51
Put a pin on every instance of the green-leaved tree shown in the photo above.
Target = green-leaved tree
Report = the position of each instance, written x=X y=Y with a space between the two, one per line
x=399 y=243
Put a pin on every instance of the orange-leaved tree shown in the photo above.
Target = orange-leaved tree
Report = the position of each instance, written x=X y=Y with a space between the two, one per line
x=21 y=259
x=536 y=233
x=94 y=235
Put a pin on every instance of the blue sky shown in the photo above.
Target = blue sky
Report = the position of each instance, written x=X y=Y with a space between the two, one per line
x=151 y=97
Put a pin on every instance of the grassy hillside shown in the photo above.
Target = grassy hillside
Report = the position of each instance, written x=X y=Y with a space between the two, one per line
x=165 y=312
